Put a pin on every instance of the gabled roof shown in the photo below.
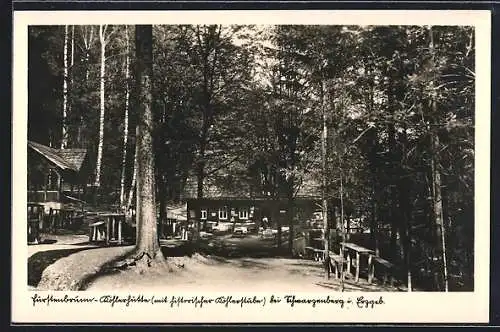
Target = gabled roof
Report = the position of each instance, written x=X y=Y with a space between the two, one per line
x=66 y=159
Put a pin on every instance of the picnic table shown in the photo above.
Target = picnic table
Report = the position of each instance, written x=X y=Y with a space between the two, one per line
x=108 y=228
x=358 y=251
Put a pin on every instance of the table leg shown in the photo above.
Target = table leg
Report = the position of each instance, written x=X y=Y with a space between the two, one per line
x=112 y=220
x=357 y=266
x=371 y=270
x=348 y=263
x=120 y=231
x=107 y=231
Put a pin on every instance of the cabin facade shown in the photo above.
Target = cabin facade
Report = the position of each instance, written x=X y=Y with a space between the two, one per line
x=264 y=212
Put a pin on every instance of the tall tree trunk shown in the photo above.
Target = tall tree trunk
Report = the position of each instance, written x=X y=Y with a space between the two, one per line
x=374 y=221
x=342 y=231
x=71 y=75
x=147 y=239
x=405 y=208
x=125 y=122
x=278 y=225
x=64 y=137
x=88 y=35
x=326 y=229
x=436 y=174
x=134 y=174
x=102 y=40
x=290 y=216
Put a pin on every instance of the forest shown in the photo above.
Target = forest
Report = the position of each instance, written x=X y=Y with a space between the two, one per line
x=380 y=117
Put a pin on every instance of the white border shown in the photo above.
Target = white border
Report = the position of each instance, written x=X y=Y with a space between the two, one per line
x=413 y=307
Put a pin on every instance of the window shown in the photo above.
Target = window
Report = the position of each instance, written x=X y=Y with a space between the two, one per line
x=203 y=214
x=223 y=213
x=243 y=214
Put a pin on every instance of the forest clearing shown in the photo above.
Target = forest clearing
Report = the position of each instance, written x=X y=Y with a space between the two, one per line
x=229 y=156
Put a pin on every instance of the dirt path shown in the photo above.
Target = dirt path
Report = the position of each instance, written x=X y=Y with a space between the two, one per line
x=61 y=242
x=200 y=273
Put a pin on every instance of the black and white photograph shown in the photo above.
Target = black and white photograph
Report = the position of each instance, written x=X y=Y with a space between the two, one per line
x=253 y=157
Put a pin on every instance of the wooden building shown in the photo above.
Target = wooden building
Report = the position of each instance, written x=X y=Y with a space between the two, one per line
x=210 y=211
x=54 y=171
x=242 y=202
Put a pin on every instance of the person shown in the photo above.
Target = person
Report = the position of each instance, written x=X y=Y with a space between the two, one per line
x=264 y=223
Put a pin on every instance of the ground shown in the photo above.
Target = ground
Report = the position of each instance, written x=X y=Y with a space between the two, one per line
x=202 y=273
x=225 y=263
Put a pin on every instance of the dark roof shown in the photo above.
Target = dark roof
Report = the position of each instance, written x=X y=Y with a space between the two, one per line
x=310 y=189
x=65 y=159
x=74 y=156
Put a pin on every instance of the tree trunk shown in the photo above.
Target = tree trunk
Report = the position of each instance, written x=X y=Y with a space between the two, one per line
x=64 y=137
x=87 y=41
x=125 y=123
x=342 y=232
x=147 y=239
x=134 y=173
x=326 y=229
x=405 y=209
x=436 y=175
x=374 y=222
x=290 y=217
x=102 y=40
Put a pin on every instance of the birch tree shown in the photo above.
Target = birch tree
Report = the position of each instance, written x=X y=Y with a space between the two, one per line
x=64 y=137
x=103 y=40
x=125 y=121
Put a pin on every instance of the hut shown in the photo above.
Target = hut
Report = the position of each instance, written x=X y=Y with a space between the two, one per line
x=52 y=172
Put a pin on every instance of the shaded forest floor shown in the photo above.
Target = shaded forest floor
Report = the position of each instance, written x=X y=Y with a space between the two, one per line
x=223 y=264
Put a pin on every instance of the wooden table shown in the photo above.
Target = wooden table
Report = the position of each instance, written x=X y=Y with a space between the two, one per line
x=113 y=226
x=358 y=251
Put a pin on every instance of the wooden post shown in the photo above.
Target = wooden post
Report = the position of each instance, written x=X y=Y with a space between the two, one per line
x=45 y=185
x=357 y=265
x=59 y=186
x=371 y=269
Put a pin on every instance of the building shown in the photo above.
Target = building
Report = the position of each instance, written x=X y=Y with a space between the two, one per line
x=239 y=204
x=215 y=210
x=51 y=172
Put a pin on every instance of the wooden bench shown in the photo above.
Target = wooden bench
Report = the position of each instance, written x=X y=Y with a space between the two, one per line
x=97 y=231
x=314 y=253
x=387 y=269
x=335 y=262
x=108 y=228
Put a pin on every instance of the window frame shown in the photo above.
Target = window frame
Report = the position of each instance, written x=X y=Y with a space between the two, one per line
x=223 y=213
x=246 y=214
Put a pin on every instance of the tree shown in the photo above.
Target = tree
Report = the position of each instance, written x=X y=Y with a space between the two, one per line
x=147 y=239
x=103 y=40
x=126 y=118
x=64 y=141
